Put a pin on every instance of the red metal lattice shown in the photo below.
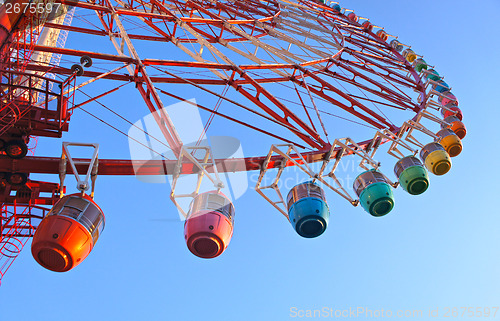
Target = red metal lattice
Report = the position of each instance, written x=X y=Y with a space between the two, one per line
x=356 y=57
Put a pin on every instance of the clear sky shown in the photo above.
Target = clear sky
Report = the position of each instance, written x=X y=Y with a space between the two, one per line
x=435 y=251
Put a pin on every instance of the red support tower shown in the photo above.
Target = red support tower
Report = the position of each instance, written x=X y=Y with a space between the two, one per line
x=17 y=224
x=30 y=105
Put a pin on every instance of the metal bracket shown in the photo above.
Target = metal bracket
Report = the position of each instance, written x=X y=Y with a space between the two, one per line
x=427 y=115
x=347 y=147
x=433 y=104
x=82 y=185
x=205 y=162
x=393 y=149
x=408 y=128
x=286 y=157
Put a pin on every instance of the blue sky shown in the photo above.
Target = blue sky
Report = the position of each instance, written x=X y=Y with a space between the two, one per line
x=435 y=251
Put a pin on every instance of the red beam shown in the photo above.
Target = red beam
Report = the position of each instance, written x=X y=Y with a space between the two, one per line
x=122 y=167
x=79 y=53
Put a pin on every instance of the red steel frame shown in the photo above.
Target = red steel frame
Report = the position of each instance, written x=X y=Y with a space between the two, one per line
x=28 y=107
x=256 y=19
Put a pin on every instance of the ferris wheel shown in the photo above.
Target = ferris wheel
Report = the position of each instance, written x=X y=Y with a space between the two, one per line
x=311 y=82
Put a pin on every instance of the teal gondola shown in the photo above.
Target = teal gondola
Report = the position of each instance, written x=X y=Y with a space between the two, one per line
x=374 y=192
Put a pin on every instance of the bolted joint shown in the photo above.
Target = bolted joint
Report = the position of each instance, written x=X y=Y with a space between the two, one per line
x=82 y=186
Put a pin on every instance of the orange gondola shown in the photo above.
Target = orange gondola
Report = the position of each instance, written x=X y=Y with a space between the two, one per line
x=68 y=233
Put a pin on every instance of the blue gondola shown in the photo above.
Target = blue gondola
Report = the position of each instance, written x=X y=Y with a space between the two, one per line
x=307 y=209
x=441 y=86
x=336 y=8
